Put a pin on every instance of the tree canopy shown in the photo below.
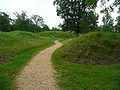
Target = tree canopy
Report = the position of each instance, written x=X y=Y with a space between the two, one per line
x=38 y=21
x=22 y=22
x=78 y=15
x=117 y=26
x=4 y=21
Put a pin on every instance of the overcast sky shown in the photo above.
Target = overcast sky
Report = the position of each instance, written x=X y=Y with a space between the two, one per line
x=44 y=8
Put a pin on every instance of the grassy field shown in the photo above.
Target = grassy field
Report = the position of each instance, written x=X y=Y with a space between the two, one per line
x=16 y=49
x=89 y=63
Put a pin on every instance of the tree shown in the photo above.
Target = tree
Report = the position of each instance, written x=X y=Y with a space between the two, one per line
x=23 y=22
x=117 y=26
x=77 y=14
x=38 y=21
x=55 y=29
x=4 y=22
x=45 y=28
x=107 y=21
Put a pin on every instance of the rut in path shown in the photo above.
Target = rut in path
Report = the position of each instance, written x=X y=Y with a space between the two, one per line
x=38 y=74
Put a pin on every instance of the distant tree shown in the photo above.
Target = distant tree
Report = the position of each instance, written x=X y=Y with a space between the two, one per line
x=117 y=26
x=78 y=15
x=108 y=21
x=45 y=27
x=55 y=29
x=4 y=22
x=23 y=22
x=38 y=21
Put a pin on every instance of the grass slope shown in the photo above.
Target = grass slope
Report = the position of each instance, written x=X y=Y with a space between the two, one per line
x=93 y=76
x=16 y=49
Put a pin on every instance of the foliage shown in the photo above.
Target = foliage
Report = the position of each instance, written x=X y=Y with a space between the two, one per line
x=22 y=22
x=45 y=27
x=117 y=26
x=78 y=15
x=4 y=21
x=55 y=29
x=38 y=21
x=107 y=19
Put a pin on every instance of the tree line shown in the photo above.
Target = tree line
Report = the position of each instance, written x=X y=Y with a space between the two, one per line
x=22 y=22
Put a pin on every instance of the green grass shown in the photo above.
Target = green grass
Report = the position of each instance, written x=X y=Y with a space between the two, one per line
x=13 y=43
x=73 y=75
x=57 y=35
x=16 y=49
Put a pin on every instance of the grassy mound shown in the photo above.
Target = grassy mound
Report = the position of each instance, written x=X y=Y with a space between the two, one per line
x=13 y=43
x=56 y=34
x=93 y=48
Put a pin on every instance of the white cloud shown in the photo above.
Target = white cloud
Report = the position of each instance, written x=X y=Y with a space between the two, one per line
x=44 y=8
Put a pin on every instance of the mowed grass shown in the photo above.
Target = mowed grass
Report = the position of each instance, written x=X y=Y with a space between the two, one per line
x=73 y=74
x=16 y=49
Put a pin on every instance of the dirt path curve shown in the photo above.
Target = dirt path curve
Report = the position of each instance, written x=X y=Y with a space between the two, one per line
x=38 y=74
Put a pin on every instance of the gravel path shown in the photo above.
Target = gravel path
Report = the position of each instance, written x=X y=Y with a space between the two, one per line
x=38 y=74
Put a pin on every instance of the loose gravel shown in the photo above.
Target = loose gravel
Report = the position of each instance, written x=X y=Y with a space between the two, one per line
x=38 y=74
